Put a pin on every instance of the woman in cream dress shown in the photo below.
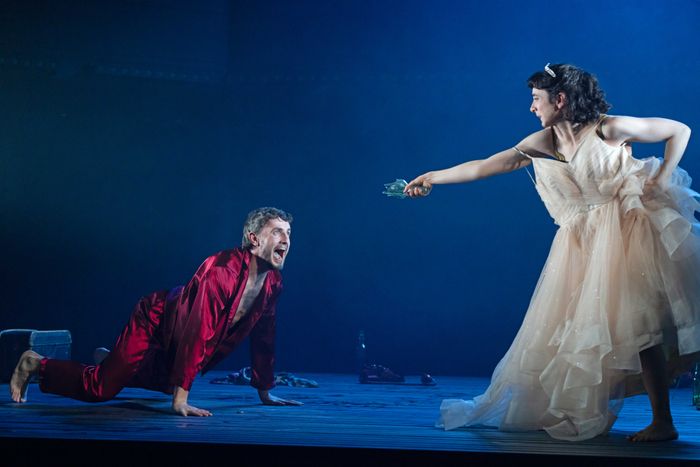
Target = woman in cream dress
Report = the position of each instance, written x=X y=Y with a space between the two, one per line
x=616 y=311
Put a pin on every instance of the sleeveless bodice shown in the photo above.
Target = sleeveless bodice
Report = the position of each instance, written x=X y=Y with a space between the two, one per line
x=594 y=176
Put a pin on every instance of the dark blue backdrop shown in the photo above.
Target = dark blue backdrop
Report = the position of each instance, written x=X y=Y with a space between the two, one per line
x=135 y=137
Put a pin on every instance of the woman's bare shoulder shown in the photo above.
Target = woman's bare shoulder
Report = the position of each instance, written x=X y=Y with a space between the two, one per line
x=537 y=144
x=613 y=121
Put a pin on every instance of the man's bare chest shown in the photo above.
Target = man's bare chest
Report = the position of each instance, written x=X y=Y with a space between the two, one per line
x=250 y=294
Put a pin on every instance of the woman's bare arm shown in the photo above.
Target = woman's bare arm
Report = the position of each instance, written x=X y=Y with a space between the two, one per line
x=499 y=163
x=651 y=130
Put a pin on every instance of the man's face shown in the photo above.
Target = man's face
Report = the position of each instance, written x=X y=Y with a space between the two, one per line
x=543 y=108
x=272 y=242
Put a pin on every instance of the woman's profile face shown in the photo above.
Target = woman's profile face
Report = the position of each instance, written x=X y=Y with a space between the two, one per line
x=543 y=109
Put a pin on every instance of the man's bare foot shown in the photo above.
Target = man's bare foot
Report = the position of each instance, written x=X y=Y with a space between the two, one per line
x=657 y=431
x=99 y=354
x=28 y=365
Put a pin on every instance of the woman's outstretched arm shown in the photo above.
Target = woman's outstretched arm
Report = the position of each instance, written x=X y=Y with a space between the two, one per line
x=502 y=162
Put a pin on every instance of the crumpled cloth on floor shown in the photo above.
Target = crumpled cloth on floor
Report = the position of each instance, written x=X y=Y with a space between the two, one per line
x=242 y=377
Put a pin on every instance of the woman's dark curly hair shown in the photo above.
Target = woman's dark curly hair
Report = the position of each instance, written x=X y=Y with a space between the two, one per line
x=585 y=101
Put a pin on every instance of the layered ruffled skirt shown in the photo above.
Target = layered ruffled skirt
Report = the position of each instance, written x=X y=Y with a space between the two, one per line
x=622 y=276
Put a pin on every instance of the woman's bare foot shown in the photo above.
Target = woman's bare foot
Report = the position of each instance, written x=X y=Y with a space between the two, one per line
x=657 y=431
x=28 y=364
x=99 y=354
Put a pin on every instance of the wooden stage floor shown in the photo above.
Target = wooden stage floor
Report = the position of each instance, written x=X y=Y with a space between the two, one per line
x=341 y=423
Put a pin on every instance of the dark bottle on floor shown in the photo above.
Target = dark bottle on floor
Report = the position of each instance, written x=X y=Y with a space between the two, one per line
x=360 y=352
x=696 y=385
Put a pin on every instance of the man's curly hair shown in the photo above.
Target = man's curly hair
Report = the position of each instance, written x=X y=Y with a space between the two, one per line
x=257 y=219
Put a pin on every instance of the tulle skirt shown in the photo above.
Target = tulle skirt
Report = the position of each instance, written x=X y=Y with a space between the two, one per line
x=621 y=277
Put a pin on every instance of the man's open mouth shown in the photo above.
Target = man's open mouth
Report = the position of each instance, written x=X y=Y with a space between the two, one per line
x=279 y=253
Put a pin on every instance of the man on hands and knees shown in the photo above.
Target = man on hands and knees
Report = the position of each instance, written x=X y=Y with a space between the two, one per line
x=174 y=334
